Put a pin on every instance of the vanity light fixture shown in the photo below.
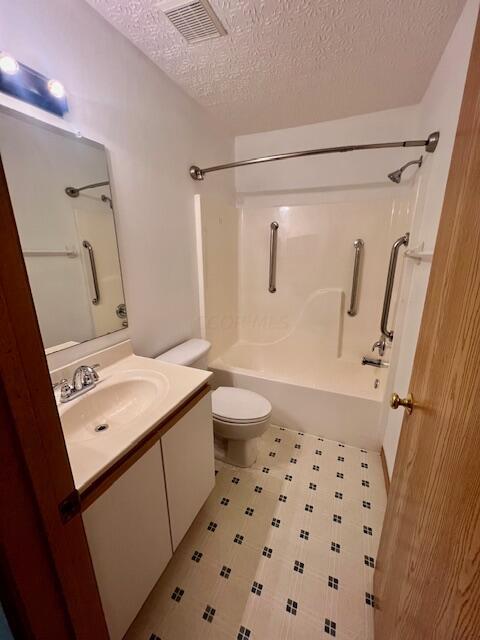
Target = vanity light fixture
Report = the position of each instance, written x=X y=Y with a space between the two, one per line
x=8 y=64
x=56 y=88
x=24 y=83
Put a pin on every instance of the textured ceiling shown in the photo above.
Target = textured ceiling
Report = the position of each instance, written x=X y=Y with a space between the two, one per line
x=291 y=62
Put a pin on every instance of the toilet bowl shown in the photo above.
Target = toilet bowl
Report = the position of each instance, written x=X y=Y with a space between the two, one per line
x=240 y=417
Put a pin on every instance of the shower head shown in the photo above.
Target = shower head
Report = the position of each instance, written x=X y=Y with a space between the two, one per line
x=396 y=176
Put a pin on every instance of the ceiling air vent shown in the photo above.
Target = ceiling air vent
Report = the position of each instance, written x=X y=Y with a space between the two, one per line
x=196 y=20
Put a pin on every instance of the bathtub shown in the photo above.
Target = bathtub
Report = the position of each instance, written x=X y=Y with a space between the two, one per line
x=325 y=396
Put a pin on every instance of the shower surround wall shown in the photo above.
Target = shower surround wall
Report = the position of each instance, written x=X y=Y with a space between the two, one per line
x=216 y=221
x=298 y=346
x=307 y=316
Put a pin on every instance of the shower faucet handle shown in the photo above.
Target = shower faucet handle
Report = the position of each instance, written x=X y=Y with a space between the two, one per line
x=381 y=345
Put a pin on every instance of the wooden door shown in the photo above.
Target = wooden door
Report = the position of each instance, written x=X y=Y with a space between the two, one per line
x=427 y=581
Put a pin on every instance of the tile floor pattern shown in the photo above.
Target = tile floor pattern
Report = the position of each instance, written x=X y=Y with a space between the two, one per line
x=283 y=550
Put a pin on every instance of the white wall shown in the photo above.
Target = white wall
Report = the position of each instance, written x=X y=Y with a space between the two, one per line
x=439 y=109
x=153 y=133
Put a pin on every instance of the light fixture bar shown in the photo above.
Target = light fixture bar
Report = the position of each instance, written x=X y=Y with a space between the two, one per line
x=28 y=85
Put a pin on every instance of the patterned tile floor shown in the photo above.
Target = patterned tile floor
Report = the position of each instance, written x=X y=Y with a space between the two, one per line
x=283 y=550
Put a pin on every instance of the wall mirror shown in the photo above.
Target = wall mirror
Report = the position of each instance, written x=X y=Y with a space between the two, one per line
x=60 y=191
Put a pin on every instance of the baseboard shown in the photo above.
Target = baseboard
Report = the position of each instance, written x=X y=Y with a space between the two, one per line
x=386 y=477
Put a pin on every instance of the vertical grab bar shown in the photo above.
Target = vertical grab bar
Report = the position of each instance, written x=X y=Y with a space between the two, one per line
x=273 y=257
x=358 y=245
x=86 y=244
x=389 y=286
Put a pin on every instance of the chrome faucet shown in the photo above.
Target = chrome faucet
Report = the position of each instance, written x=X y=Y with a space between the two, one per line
x=375 y=362
x=84 y=378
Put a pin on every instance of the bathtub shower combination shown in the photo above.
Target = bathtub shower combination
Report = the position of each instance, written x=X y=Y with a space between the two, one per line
x=317 y=401
x=313 y=286
x=309 y=360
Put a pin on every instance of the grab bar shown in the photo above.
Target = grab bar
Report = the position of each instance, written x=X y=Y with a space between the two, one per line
x=273 y=257
x=91 y=256
x=358 y=245
x=389 y=286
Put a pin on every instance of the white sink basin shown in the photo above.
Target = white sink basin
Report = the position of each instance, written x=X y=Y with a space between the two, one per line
x=117 y=402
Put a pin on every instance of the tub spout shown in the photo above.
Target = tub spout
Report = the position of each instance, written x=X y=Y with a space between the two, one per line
x=374 y=362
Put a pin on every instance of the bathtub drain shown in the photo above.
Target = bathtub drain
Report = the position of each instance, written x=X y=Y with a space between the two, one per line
x=101 y=427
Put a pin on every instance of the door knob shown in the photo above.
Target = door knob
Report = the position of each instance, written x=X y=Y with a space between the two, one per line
x=407 y=403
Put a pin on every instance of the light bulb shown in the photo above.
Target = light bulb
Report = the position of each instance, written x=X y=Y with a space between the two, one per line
x=8 y=64
x=56 y=88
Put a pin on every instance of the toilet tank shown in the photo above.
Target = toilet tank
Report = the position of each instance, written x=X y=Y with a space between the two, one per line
x=192 y=353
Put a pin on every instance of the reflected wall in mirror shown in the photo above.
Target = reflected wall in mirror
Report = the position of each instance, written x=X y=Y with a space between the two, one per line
x=60 y=190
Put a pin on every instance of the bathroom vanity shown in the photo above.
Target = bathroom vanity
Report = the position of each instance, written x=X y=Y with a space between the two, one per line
x=142 y=480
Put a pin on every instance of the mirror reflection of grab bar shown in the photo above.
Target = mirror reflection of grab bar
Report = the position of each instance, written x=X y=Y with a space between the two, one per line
x=272 y=287
x=358 y=245
x=403 y=241
x=86 y=244
x=42 y=253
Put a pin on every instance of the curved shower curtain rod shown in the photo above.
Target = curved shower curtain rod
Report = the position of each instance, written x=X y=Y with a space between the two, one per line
x=430 y=145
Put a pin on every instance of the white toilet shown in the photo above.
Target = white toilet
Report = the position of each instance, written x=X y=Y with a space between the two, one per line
x=239 y=416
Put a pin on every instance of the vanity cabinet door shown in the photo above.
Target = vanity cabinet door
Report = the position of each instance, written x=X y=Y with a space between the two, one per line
x=188 y=459
x=129 y=539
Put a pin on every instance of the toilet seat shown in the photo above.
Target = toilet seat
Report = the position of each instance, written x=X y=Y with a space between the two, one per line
x=239 y=406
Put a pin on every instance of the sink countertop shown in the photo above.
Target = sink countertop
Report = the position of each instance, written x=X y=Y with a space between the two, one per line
x=89 y=458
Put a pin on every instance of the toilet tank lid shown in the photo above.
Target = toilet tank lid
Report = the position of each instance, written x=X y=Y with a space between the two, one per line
x=186 y=353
